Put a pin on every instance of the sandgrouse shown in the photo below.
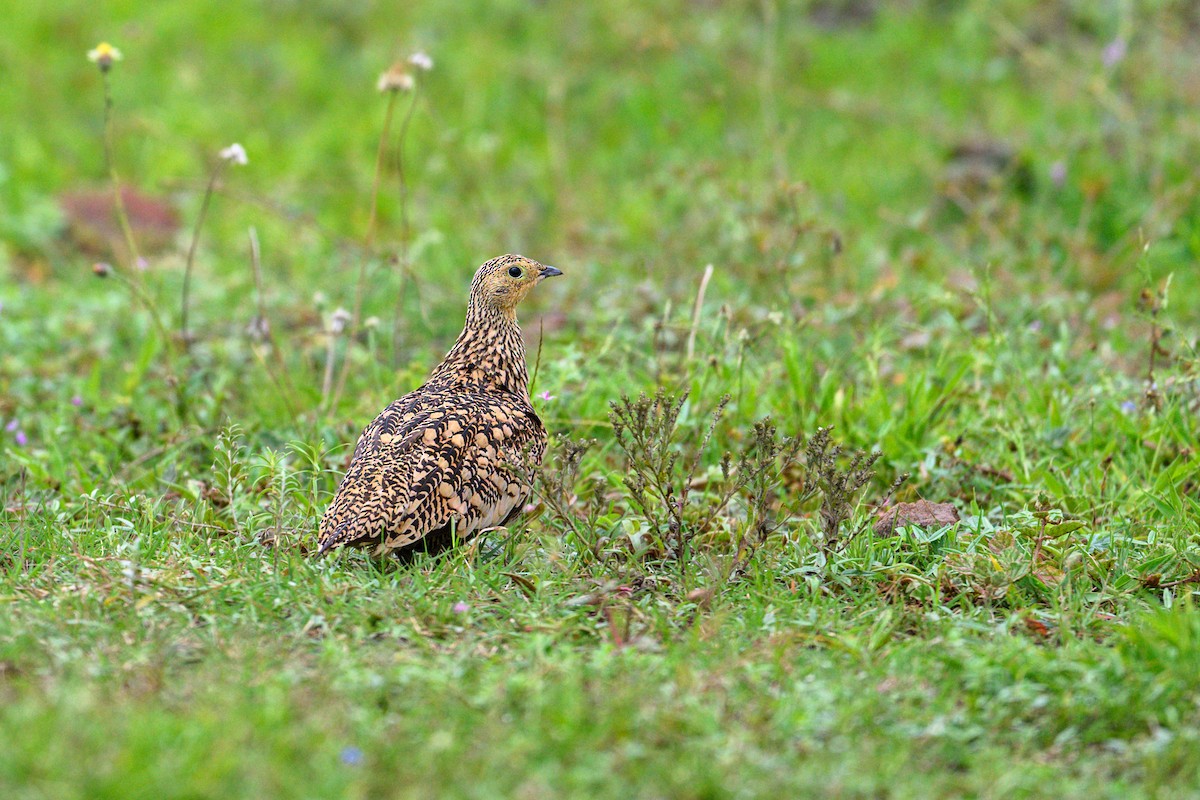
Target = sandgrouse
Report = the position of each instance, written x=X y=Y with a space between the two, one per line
x=435 y=466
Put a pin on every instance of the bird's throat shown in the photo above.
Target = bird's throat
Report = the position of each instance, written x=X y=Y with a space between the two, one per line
x=489 y=354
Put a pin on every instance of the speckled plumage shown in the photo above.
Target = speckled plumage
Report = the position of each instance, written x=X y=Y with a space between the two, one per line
x=431 y=468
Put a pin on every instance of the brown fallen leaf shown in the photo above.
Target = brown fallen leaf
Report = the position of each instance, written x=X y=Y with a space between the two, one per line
x=94 y=228
x=1037 y=627
x=922 y=514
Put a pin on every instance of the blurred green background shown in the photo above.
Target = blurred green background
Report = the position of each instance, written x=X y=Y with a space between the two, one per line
x=799 y=147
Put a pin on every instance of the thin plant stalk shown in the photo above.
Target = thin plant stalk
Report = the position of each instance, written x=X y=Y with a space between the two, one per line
x=699 y=306
x=111 y=162
x=404 y=265
x=537 y=362
x=337 y=327
x=330 y=357
x=282 y=382
x=138 y=293
x=191 y=256
x=368 y=241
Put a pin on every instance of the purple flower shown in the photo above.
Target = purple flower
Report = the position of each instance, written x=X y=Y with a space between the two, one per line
x=1114 y=52
x=352 y=756
x=22 y=439
x=77 y=401
x=1129 y=406
x=1058 y=173
x=460 y=607
x=546 y=396
x=142 y=264
x=12 y=425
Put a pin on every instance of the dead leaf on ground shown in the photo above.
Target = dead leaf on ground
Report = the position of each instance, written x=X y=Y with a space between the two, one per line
x=1037 y=627
x=94 y=227
x=921 y=514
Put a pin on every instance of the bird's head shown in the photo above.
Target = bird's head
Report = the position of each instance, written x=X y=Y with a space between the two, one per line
x=503 y=282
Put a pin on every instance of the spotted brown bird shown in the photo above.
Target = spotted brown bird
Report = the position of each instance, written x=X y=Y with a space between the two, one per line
x=436 y=466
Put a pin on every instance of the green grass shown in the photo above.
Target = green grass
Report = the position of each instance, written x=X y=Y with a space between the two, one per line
x=165 y=631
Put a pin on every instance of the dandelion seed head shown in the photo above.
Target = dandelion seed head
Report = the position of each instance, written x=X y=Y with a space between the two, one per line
x=235 y=154
x=396 y=79
x=104 y=55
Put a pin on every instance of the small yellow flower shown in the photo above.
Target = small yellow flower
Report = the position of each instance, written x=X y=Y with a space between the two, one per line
x=396 y=79
x=103 y=55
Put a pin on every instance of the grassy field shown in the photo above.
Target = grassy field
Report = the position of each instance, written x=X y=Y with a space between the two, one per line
x=964 y=235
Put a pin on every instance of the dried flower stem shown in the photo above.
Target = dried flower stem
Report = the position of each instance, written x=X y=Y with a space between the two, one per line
x=691 y=340
x=283 y=382
x=337 y=327
x=110 y=160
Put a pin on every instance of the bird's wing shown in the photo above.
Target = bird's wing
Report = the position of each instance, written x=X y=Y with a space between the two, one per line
x=473 y=471
x=372 y=487
x=433 y=460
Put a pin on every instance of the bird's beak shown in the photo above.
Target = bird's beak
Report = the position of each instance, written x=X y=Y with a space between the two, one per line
x=550 y=272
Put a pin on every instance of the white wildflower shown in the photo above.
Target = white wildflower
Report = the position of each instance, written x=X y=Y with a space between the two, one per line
x=234 y=154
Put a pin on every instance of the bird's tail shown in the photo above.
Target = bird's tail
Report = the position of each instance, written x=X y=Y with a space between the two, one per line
x=343 y=528
x=326 y=543
x=333 y=531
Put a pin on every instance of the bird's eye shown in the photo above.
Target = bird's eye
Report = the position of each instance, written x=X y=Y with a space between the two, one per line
x=515 y=272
